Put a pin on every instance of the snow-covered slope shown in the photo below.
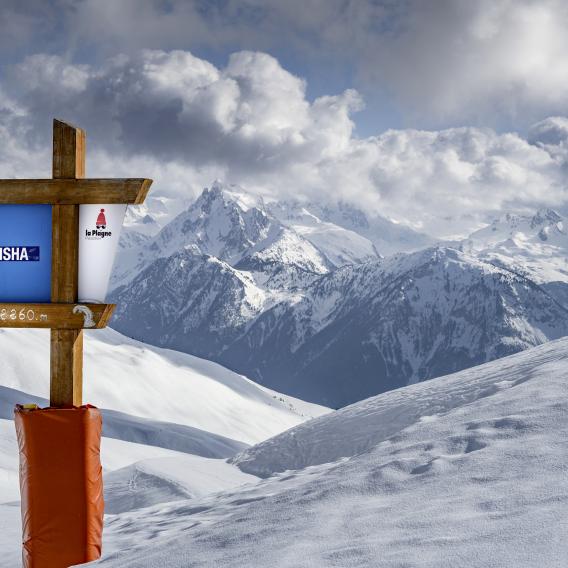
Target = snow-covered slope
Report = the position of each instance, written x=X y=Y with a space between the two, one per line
x=536 y=246
x=465 y=470
x=165 y=479
x=169 y=419
x=159 y=385
x=362 y=229
x=357 y=428
x=340 y=245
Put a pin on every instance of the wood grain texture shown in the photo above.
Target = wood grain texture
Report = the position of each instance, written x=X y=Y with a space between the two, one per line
x=72 y=191
x=69 y=150
x=66 y=385
x=66 y=363
x=55 y=316
x=65 y=253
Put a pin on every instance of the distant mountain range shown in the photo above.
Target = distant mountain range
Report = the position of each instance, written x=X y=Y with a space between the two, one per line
x=535 y=246
x=300 y=298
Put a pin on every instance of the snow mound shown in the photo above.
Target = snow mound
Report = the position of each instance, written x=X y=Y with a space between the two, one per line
x=465 y=470
x=160 y=480
x=356 y=429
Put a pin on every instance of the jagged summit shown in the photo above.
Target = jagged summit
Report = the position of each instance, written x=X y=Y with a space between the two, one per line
x=232 y=193
x=227 y=223
x=546 y=217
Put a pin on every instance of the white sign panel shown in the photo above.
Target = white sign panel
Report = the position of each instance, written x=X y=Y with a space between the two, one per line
x=99 y=233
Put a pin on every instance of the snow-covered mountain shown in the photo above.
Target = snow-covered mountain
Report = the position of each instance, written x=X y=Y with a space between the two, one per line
x=283 y=244
x=369 y=328
x=296 y=295
x=332 y=224
x=234 y=228
x=186 y=299
x=354 y=332
x=430 y=475
x=535 y=245
x=341 y=245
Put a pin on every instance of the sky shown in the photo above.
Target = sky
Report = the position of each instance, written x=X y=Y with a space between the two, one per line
x=439 y=114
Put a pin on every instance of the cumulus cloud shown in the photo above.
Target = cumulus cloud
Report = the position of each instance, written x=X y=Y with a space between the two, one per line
x=552 y=130
x=250 y=116
x=182 y=120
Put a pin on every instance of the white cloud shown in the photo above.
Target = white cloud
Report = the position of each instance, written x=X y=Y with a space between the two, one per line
x=499 y=62
x=485 y=59
x=185 y=122
x=552 y=130
x=63 y=78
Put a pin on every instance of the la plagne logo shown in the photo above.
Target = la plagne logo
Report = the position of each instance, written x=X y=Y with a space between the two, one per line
x=99 y=231
x=19 y=254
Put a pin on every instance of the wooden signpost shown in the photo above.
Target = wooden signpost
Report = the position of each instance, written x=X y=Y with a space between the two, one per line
x=65 y=192
x=60 y=470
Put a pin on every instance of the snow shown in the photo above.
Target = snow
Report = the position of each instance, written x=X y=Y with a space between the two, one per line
x=339 y=245
x=127 y=376
x=465 y=470
x=535 y=246
x=288 y=247
x=10 y=535
x=165 y=479
x=169 y=419
x=346 y=233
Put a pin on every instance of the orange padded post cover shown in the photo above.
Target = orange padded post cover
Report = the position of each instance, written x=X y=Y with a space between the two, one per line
x=61 y=485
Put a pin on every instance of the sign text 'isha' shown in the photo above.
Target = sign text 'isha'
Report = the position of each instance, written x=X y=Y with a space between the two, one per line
x=19 y=254
x=25 y=253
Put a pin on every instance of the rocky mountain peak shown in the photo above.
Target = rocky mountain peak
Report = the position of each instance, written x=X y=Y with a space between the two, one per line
x=545 y=217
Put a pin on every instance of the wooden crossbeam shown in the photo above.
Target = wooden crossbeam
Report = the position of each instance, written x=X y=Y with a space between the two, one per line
x=74 y=191
x=56 y=316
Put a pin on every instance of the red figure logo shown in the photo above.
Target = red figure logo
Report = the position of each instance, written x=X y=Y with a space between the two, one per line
x=101 y=220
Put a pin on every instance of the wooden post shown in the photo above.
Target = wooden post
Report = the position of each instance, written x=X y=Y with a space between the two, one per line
x=66 y=378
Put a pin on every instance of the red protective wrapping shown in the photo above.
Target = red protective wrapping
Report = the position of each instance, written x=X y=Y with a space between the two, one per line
x=61 y=485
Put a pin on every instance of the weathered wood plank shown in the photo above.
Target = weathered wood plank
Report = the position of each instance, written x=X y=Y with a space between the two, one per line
x=66 y=362
x=74 y=191
x=69 y=150
x=56 y=316
x=65 y=253
x=66 y=385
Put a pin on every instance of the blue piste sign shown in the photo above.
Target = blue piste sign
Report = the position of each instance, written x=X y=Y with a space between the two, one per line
x=25 y=253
